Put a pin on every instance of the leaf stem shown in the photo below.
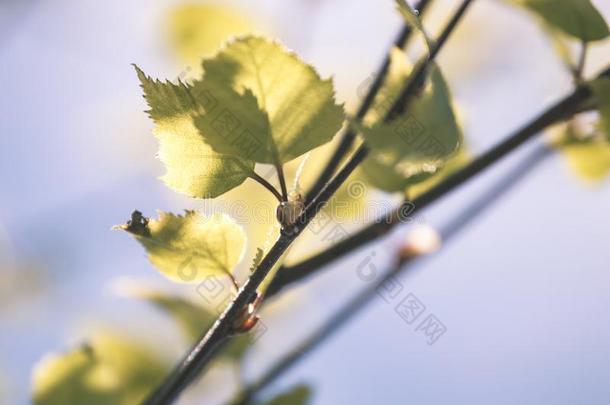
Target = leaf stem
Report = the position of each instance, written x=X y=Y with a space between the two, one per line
x=256 y=177
x=582 y=60
x=282 y=179
x=349 y=136
x=234 y=282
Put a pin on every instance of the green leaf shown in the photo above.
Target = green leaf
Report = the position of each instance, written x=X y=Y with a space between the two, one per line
x=234 y=124
x=578 y=18
x=299 y=395
x=300 y=107
x=601 y=90
x=189 y=248
x=109 y=370
x=193 y=167
x=415 y=145
x=412 y=18
x=385 y=176
x=455 y=163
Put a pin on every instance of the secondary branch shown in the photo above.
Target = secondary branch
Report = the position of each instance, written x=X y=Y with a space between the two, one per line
x=562 y=110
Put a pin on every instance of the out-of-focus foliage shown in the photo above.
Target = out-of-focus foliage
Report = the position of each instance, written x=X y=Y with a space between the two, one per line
x=193 y=320
x=299 y=395
x=577 y=18
x=586 y=145
x=198 y=30
x=108 y=370
x=409 y=148
x=300 y=106
x=601 y=88
x=585 y=149
x=589 y=159
x=461 y=159
x=190 y=247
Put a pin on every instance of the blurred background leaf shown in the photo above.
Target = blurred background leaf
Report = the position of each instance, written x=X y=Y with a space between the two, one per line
x=110 y=369
x=578 y=18
x=298 y=395
x=197 y=30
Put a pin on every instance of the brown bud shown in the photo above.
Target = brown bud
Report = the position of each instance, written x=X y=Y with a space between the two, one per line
x=288 y=212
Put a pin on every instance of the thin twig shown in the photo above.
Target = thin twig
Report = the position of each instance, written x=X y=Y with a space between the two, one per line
x=348 y=137
x=353 y=307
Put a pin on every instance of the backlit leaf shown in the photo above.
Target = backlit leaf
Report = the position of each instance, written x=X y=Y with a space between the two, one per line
x=299 y=395
x=193 y=167
x=416 y=144
x=108 y=370
x=300 y=106
x=456 y=162
x=191 y=247
x=578 y=18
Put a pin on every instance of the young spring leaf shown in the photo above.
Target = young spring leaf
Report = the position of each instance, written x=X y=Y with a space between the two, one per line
x=193 y=167
x=257 y=259
x=300 y=106
x=109 y=370
x=191 y=247
x=415 y=145
x=298 y=395
x=577 y=18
